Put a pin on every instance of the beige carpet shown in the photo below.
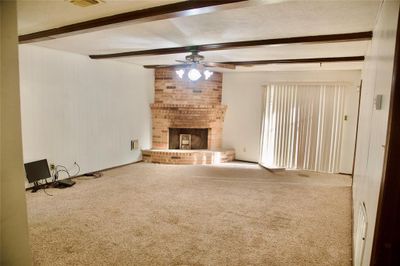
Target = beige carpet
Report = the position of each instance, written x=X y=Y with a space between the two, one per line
x=231 y=214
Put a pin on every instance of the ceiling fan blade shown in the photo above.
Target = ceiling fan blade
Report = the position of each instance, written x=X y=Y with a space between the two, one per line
x=181 y=61
x=158 y=66
x=215 y=64
x=163 y=66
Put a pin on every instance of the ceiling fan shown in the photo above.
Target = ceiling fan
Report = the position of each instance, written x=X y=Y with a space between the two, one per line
x=197 y=68
x=196 y=59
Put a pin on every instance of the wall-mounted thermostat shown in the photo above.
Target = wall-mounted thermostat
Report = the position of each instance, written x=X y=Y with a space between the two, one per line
x=378 y=101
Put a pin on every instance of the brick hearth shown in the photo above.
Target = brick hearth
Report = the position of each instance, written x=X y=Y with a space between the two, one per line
x=188 y=156
x=181 y=103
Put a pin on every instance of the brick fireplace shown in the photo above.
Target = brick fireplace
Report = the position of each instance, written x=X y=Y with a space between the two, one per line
x=189 y=112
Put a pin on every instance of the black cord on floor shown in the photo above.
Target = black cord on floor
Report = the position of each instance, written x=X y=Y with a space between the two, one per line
x=79 y=168
x=65 y=169
x=44 y=189
x=62 y=170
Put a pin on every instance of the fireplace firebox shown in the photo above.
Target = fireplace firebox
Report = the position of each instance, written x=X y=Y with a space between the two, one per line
x=188 y=138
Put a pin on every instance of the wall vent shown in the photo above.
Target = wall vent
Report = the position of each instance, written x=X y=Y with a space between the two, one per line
x=85 y=3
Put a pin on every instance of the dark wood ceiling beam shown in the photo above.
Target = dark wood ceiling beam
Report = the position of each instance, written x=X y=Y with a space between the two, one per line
x=282 y=61
x=180 y=9
x=343 y=37
x=297 y=61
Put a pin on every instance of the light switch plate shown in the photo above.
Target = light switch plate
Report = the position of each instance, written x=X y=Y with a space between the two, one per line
x=378 y=102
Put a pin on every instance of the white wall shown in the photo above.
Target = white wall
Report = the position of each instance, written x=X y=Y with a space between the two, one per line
x=243 y=93
x=75 y=109
x=377 y=79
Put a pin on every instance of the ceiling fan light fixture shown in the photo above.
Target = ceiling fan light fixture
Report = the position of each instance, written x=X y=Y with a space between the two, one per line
x=180 y=73
x=194 y=74
x=207 y=74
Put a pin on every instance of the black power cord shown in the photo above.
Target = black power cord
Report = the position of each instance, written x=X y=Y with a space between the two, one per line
x=65 y=170
x=44 y=188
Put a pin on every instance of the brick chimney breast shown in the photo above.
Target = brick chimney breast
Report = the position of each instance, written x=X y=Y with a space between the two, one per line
x=181 y=103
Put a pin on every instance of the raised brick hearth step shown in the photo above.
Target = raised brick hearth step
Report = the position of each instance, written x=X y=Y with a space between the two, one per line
x=188 y=156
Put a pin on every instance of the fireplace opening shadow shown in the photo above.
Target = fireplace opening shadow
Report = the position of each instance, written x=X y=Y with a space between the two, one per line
x=195 y=138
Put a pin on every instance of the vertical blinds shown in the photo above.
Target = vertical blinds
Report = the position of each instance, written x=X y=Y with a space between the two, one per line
x=302 y=126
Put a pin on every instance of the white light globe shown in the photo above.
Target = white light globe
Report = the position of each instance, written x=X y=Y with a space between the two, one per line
x=194 y=74
x=180 y=73
x=207 y=74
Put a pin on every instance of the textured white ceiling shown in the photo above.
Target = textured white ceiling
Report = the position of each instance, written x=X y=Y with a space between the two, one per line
x=270 y=20
x=37 y=15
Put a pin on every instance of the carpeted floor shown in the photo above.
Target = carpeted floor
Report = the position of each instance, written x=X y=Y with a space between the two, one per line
x=231 y=214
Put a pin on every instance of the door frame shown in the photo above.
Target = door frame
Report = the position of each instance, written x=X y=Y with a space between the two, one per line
x=386 y=243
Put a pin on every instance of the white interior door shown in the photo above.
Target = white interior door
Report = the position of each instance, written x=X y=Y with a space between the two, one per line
x=349 y=131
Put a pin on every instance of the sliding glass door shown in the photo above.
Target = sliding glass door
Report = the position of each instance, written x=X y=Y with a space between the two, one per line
x=302 y=126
